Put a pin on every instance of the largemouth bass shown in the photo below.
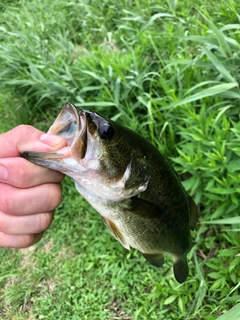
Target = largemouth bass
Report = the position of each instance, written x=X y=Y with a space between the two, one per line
x=128 y=181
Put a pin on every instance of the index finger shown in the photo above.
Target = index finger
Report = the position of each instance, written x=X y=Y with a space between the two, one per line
x=24 y=174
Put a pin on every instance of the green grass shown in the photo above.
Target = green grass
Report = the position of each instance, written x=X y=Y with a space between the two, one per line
x=169 y=70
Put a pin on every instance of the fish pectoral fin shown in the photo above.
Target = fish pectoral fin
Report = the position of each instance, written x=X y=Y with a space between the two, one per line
x=180 y=269
x=155 y=259
x=116 y=232
x=132 y=180
x=136 y=176
x=145 y=209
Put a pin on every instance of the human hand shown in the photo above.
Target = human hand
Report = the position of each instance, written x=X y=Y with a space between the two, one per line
x=29 y=193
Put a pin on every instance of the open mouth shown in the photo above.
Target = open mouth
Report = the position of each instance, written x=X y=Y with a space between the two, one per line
x=70 y=124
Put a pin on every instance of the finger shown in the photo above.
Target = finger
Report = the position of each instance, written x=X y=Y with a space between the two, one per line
x=19 y=241
x=46 y=143
x=42 y=198
x=24 y=174
x=14 y=141
x=20 y=225
x=10 y=140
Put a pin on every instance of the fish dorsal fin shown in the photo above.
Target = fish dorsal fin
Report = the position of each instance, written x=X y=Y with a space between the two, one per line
x=193 y=213
x=116 y=232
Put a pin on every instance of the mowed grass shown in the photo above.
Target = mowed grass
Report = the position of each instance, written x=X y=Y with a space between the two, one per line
x=169 y=70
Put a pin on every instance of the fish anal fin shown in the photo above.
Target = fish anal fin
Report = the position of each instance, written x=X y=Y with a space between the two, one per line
x=116 y=232
x=180 y=269
x=155 y=259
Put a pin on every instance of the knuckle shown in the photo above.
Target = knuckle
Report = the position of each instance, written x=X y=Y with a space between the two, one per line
x=24 y=129
x=44 y=221
x=5 y=203
x=4 y=224
x=54 y=196
x=57 y=176
x=58 y=197
x=28 y=240
x=24 y=132
x=22 y=177
x=18 y=241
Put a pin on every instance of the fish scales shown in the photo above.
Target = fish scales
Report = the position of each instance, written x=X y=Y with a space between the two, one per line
x=128 y=181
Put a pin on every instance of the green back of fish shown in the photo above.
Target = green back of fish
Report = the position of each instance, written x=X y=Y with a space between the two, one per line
x=161 y=216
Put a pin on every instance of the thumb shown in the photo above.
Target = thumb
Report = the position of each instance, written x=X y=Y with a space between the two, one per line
x=45 y=143
x=24 y=138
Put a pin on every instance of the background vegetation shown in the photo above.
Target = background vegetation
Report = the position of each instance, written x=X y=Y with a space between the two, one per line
x=168 y=69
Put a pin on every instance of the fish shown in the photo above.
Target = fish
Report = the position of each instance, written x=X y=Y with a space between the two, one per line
x=128 y=182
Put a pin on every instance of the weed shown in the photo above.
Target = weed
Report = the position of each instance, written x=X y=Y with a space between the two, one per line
x=169 y=70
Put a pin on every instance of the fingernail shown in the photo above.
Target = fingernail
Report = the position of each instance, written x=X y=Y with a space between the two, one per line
x=3 y=173
x=51 y=140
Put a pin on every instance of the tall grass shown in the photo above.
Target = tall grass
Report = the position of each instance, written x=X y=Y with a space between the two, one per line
x=169 y=70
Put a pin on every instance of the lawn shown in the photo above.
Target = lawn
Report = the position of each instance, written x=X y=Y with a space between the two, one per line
x=169 y=70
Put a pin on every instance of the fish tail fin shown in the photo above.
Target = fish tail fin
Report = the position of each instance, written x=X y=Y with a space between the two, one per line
x=156 y=260
x=180 y=269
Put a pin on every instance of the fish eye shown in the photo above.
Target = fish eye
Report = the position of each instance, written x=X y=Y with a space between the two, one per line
x=105 y=131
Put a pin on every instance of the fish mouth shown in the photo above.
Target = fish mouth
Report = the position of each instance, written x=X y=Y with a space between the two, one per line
x=71 y=124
